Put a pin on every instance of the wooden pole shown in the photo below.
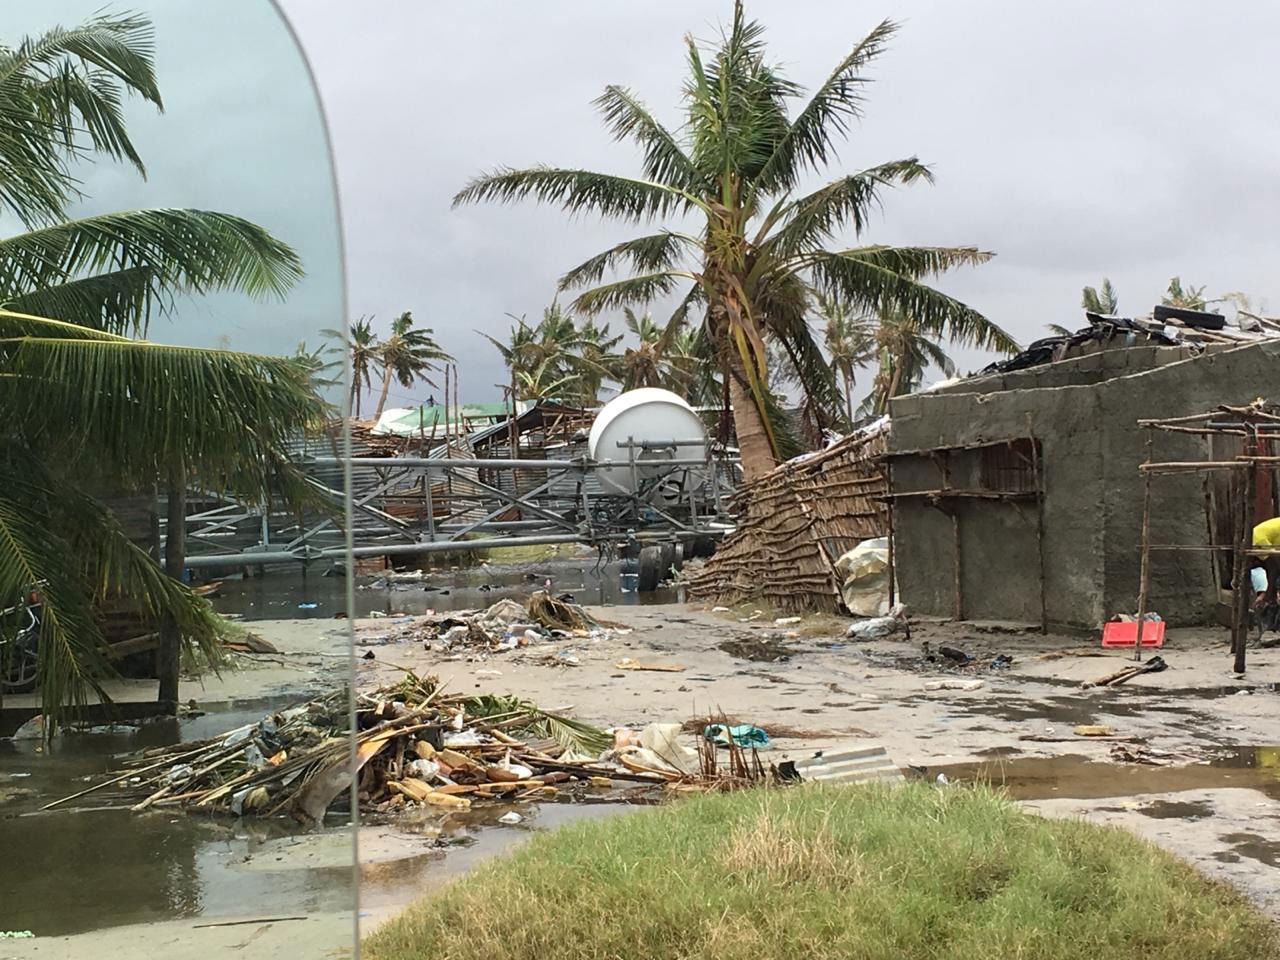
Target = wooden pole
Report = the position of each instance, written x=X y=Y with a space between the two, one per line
x=168 y=653
x=1039 y=483
x=1143 y=575
x=889 y=507
x=1244 y=588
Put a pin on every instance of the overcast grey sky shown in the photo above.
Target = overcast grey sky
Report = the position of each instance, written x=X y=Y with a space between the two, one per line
x=242 y=134
x=1075 y=140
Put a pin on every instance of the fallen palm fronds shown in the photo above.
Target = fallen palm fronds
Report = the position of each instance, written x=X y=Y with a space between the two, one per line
x=415 y=745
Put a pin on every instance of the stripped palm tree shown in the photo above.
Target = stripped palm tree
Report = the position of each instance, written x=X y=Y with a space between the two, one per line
x=88 y=408
x=755 y=248
x=408 y=355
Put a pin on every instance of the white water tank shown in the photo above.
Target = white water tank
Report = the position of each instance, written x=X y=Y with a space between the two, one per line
x=646 y=415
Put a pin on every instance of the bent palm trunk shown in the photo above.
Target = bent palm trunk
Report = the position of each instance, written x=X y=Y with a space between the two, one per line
x=753 y=439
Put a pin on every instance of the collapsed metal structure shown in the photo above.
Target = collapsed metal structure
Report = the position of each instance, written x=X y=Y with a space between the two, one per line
x=414 y=496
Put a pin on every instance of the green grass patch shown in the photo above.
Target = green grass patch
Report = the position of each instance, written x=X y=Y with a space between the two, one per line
x=866 y=873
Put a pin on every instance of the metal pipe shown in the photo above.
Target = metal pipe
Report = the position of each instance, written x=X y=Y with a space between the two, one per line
x=498 y=464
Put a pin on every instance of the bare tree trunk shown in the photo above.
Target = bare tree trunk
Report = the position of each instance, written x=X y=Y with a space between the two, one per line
x=355 y=393
x=175 y=549
x=753 y=439
x=386 y=385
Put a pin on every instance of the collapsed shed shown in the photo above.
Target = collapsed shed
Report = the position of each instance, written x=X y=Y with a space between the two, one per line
x=1018 y=495
x=795 y=522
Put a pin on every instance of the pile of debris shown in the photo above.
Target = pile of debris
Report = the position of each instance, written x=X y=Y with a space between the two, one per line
x=415 y=745
x=504 y=626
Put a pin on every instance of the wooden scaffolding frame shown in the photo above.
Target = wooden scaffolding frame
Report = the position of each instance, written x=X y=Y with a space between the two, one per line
x=1253 y=424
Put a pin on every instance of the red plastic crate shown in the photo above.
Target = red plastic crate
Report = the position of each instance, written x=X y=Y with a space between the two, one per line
x=1125 y=634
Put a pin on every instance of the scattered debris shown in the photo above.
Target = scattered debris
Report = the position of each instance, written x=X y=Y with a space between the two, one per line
x=1092 y=730
x=761 y=649
x=627 y=663
x=743 y=734
x=1154 y=665
x=849 y=764
x=787 y=621
x=954 y=684
x=876 y=627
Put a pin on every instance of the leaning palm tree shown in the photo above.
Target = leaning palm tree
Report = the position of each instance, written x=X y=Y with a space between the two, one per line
x=754 y=247
x=408 y=355
x=86 y=408
x=363 y=350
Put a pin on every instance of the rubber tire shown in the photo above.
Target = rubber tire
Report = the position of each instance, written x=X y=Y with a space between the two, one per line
x=650 y=573
x=679 y=549
x=668 y=559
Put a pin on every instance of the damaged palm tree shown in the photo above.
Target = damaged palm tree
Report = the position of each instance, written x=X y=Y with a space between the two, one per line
x=755 y=248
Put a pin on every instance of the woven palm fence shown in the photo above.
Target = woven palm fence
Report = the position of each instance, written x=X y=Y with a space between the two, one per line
x=794 y=523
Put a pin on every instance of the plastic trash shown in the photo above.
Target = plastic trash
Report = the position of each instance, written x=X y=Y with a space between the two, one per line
x=307 y=606
x=663 y=739
x=954 y=685
x=865 y=573
x=876 y=627
x=744 y=735
x=510 y=817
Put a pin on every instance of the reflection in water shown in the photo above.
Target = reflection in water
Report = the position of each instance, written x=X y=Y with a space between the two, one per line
x=289 y=592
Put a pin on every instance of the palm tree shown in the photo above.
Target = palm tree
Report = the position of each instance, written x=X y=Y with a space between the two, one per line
x=596 y=359
x=545 y=353
x=850 y=342
x=545 y=382
x=1102 y=300
x=902 y=353
x=1189 y=297
x=756 y=248
x=364 y=349
x=88 y=408
x=652 y=362
x=408 y=355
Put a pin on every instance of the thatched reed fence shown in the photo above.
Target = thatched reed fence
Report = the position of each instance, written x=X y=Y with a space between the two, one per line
x=795 y=522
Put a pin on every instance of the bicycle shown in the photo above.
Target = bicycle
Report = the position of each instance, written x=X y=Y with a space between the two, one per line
x=20 y=649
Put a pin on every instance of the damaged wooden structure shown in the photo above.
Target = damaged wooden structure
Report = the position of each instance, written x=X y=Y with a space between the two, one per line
x=1238 y=469
x=795 y=522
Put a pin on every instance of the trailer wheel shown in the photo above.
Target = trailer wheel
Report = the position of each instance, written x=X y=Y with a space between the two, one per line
x=650 y=569
x=668 y=559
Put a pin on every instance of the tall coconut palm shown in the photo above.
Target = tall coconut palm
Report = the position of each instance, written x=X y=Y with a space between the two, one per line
x=849 y=340
x=755 y=247
x=364 y=350
x=408 y=355
x=546 y=352
x=86 y=408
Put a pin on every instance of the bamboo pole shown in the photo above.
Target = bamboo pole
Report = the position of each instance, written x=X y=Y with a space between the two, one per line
x=1241 y=624
x=1144 y=570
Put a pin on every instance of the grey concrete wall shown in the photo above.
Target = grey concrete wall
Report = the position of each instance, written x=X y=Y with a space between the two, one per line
x=1001 y=575
x=1091 y=450
x=1095 y=367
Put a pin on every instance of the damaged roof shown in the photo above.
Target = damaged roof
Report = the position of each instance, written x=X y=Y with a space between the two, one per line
x=1166 y=326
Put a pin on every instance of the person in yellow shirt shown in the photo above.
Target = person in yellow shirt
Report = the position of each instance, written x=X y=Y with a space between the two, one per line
x=1267 y=534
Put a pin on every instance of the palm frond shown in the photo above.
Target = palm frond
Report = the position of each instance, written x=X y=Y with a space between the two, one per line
x=816 y=218
x=664 y=159
x=879 y=278
x=633 y=290
x=578 y=191
x=647 y=254
x=120 y=300
x=185 y=251
x=142 y=407
x=807 y=144
x=61 y=96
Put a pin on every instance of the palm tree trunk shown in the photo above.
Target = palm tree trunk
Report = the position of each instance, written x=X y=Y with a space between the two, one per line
x=753 y=439
x=386 y=385
x=175 y=551
x=848 y=397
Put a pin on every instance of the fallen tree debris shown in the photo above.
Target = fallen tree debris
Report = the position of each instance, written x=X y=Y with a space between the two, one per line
x=1154 y=665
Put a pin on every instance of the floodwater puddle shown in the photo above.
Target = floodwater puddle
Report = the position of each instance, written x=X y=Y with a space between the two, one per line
x=1077 y=777
x=1250 y=846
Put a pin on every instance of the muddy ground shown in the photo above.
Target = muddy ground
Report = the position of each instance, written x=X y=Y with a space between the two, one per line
x=1214 y=799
